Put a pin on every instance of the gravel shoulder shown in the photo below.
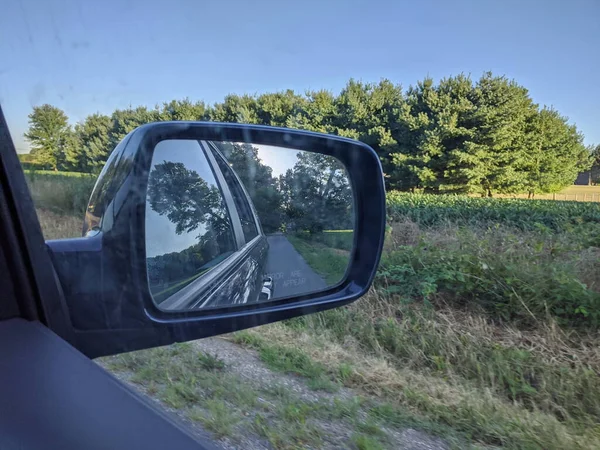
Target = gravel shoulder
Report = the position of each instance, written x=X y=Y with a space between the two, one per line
x=234 y=400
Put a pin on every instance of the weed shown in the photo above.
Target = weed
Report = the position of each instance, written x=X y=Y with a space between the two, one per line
x=365 y=442
x=288 y=435
x=210 y=362
x=371 y=428
x=180 y=394
x=290 y=360
x=218 y=417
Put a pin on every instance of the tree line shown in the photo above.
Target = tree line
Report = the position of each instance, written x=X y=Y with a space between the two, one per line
x=483 y=136
x=313 y=195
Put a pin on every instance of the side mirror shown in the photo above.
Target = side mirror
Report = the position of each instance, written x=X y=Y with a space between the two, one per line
x=195 y=229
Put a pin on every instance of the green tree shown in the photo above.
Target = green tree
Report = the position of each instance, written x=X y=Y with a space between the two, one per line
x=316 y=194
x=125 y=121
x=494 y=157
x=237 y=109
x=186 y=199
x=258 y=180
x=275 y=109
x=595 y=154
x=453 y=136
x=432 y=125
x=370 y=112
x=556 y=154
x=95 y=143
x=316 y=113
x=595 y=164
x=49 y=134
x=183 y=110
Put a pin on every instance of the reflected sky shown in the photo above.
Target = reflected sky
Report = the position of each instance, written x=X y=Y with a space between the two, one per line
x=279 y=159
x=161 y=237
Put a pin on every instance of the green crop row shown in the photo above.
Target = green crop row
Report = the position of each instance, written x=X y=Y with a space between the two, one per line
x=525 y=214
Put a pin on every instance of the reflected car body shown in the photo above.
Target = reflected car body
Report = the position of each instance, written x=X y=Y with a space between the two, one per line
x=238 y=279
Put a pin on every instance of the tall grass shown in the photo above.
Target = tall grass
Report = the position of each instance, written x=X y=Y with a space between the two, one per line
x=484 y=320
x=60 y=192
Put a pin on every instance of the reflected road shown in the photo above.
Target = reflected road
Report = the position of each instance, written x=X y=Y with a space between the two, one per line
x=290 y=272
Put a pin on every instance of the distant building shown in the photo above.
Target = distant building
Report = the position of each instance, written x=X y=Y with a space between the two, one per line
x=589 y=177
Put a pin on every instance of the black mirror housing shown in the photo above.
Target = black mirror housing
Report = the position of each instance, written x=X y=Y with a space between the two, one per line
x=104 y=276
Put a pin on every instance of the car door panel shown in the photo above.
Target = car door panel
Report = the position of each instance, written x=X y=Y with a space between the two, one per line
x=55 y=397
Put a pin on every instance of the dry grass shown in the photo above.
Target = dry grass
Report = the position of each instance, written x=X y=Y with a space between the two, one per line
x=445 y=396
x=497 y=381
x=58 y=225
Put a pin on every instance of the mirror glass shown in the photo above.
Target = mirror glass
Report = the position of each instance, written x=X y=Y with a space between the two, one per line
x=231 y=223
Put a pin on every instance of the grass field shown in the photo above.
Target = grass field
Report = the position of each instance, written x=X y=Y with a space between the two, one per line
x=61 y=199
x=482 y=324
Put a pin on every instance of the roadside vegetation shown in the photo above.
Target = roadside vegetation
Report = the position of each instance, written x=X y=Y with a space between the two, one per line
x=60 y=199
x=60 y=192
x=484 y=317
x=227 y=398
x=482 y=327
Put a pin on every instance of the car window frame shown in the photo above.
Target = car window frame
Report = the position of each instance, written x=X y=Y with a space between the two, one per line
x=32 y=291
x=212 y=148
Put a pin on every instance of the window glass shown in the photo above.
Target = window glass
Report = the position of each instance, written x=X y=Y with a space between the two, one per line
x=241 y=202
x=188 y=229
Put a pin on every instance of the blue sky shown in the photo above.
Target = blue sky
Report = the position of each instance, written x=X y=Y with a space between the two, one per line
x=96 y=56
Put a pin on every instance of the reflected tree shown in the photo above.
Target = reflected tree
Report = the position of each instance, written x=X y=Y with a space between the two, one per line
x=191 y=204
x=258 y=180
x=317 y=194
x=186 y=199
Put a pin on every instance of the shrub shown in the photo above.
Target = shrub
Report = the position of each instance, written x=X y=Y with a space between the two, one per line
x=513 y=277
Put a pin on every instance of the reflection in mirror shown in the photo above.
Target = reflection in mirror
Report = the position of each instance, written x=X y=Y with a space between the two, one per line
x=236 y=223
